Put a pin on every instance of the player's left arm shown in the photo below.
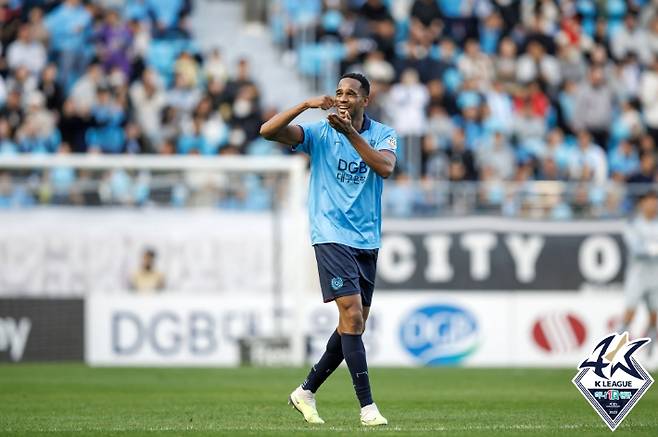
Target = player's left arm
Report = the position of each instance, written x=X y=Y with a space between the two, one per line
x=381 y=161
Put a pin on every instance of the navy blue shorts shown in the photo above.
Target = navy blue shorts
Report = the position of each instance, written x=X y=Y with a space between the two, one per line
x=345 y=270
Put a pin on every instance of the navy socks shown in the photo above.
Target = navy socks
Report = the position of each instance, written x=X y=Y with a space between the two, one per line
x=331 y=359
x=355 y=356
x=350 y=347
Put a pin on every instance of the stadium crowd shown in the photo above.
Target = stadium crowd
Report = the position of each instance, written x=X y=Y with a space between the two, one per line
x=114 y=76
x=504 y=92
x=495 y=94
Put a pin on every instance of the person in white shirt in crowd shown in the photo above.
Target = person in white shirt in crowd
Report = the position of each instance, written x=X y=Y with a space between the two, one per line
x=26 y=52
x=535 y=64
x=407 y=102
x=630 y=38
x=148 y=98
x=474 y=64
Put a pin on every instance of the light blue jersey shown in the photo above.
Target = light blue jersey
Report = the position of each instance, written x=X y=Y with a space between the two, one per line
x=344 y=193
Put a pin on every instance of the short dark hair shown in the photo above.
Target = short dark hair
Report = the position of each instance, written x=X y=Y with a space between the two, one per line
x=361 y=78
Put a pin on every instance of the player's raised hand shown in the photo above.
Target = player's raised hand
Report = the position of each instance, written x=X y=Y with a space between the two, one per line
x=322 y=102
x=342 y=122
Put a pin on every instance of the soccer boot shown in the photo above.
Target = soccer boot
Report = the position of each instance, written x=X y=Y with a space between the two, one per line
x=370 y=416
x=304 y=402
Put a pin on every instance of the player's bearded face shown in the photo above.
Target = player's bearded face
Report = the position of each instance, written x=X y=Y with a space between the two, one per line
x=349 y=99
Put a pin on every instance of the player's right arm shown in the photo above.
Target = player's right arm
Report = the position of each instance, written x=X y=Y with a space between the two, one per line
x=278 y=128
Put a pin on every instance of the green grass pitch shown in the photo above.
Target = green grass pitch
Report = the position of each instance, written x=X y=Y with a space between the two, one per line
x=71 y=399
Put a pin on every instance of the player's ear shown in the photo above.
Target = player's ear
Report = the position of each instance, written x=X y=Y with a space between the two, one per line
x=366 y=100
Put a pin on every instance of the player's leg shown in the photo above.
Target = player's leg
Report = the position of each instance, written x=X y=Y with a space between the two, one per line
x=366 y=313
x=338 y=276
x=351 y=324
x=367 y=263
x=330 y=360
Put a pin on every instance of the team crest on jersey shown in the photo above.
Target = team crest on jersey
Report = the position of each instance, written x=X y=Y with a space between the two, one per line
x=392 y=142
x=337 y=283
x=611 y=379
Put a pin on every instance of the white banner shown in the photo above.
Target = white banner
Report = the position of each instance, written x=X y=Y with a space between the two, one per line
x=172 y=330
x=72 y=251
x=546 y=329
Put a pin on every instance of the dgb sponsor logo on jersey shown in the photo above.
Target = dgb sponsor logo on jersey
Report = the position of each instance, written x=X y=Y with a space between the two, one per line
x=351 y=171
x=611 y=379
x=439 y=334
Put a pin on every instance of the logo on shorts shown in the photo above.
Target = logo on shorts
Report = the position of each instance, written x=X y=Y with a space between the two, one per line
x=611 y=379
x=337 y=283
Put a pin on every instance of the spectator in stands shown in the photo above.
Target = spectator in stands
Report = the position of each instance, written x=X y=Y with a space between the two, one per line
x=474 y=64
x=38 y=26
x=147 y=279
x=69 y=25
x=497 y=155
x=381 y=25
x=647 y=171
x=588 y=160
x=505 y=64
x=630 y=39
x=7 y=145
x=108 y=114
x=407 y=102
x=37 y=133
x=572 y=65
x=245 y=112
x=114 y=39
x=148 y=99
x=501 y=106
x=83 y=92
x=73 y=124
x=183 y=96
x=461 y=165
x=23 y=82
x=425 y=21
x=26 y=52
x=51 y=89
x=536 y=64
x=624 y=159
x=593 y=107
x=61 y=180
x=214 y=67
x=12 y=111
x=556 y=150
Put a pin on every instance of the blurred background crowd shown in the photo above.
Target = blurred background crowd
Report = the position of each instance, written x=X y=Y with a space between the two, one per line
x=541 y=108
x=502 y=92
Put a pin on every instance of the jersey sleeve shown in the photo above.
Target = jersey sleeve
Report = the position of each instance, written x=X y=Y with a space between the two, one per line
x=311 y=132
x=388 y=140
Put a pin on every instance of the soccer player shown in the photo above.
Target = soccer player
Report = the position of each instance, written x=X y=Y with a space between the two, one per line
x=350 y=156
x=641 y=236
